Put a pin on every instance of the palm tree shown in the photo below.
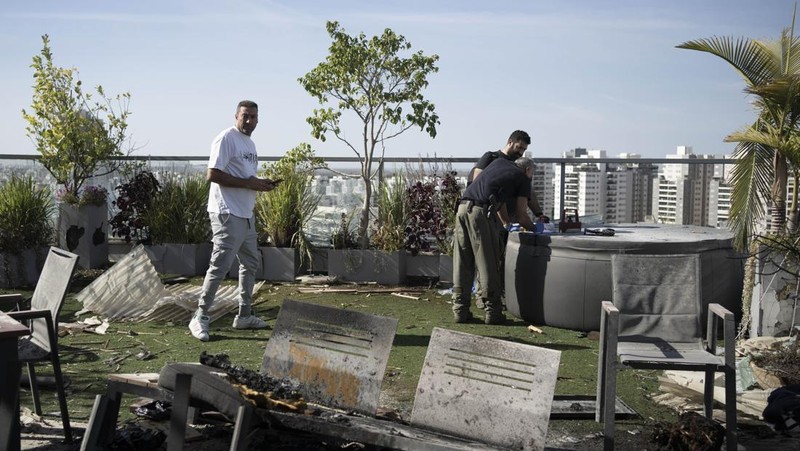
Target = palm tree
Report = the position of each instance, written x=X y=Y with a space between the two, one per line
x=768 y=149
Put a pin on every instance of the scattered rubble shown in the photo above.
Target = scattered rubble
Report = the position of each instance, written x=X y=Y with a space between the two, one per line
x=692 y=432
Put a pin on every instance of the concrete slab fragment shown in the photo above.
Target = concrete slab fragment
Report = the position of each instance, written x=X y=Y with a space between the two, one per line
x=337 y=356
x=486 y=389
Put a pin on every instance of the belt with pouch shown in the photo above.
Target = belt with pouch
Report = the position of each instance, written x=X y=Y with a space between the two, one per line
x=472 y=203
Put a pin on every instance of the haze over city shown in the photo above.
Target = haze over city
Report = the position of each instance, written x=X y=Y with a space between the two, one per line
x=594 y=74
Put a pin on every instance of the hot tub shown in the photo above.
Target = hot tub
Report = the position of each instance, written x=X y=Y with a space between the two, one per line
x=561 y=279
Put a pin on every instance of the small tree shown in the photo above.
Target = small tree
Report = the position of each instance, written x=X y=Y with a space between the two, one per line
x=74 y=135
x=371 y=79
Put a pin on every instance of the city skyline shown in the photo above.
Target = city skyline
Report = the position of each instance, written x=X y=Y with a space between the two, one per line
x=627 y=190
x=593 y=74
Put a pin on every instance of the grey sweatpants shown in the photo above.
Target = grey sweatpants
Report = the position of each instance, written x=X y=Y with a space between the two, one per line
x=232 y=237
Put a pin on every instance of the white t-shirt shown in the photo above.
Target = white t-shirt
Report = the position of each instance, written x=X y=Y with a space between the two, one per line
x=235 y=153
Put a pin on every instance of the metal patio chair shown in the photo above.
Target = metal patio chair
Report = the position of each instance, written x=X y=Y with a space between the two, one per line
x=42 y=318
x=655 y=322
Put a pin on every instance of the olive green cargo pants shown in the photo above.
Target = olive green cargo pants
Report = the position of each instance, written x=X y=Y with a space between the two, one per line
x=476 y=245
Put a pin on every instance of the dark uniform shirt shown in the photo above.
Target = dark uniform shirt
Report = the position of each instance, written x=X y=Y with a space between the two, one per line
x=484 y=162
x=503 y=179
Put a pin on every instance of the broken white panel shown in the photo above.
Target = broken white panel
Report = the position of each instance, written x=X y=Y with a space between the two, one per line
x=486 y=389
x=132 y=290
x=690 y=385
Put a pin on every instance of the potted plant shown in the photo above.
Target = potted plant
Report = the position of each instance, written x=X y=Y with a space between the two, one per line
x=77 y=137
x=133 y=199
x=283 y=215
x=431 y=198
x=178 y=227
x=378 y=84
x=26 y=230
x=446 y=200
x=385 y=263
x=83 y=224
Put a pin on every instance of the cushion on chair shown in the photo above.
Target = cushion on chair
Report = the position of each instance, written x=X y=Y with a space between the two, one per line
x=638 y=280
x=666 y=353
x=207 y=386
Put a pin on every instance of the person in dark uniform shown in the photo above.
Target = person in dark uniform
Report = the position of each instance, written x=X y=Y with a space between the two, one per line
x=512 y=151
x=481 y=215
x=516 y=145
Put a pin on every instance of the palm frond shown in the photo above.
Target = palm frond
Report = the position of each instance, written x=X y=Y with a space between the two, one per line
x=749 y=57
x=751 y=183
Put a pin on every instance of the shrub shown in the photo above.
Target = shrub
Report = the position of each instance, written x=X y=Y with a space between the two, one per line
x=431 y=212
x=133 y=200
x=88 y=195
x=26 y=212
x=344 y=237
x=284 y=212
x=390 y=223
x=446 y=201
x=178 y=213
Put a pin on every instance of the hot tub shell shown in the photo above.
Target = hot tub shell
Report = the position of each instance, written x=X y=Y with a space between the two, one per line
x=561 y=279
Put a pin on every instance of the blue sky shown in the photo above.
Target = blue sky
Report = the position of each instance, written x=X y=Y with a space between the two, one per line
x=595 y=74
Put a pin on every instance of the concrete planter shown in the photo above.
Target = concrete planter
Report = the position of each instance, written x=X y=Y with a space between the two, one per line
x=84 y=231
x=178 y=258
x=319 y=261
x=772 y=308
x=280 y=264
x=445 y=268
x=367 y=265
x=21 y=270
x=117 y=249
x=422 y=265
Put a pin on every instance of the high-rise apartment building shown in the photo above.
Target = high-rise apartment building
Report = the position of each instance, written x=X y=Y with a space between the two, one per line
x=609 y=192
x=542 y=185
x=682 y=192
x=584 y=185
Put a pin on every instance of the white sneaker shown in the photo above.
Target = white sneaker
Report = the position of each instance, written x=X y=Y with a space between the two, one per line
x=249 y=322
x=198 y=326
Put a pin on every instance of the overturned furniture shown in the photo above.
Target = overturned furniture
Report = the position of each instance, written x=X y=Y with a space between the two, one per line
x=655 y=322
x=338 y=357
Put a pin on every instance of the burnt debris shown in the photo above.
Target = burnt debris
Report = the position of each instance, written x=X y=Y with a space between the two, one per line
x=279 y=388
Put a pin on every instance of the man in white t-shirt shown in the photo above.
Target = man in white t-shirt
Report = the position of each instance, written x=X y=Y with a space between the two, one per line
x=232 y=169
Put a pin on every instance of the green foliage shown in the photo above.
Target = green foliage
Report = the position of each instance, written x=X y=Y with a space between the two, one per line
x=769 y=149
x=75 y=135
x=134 y=199
x=88 y=195
x=371 y=79
x=25 y=215
x=284 y=212
x=179 y=212
x=431 y=198
x=390 y=224
x=343 y=236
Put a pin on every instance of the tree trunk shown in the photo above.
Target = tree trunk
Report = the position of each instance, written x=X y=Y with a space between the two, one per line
x=791 y=221
x=781 y=169
x=363 y=225
x=778 y=218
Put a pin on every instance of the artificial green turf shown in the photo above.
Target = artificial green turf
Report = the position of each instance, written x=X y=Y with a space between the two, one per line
x=88 y=358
